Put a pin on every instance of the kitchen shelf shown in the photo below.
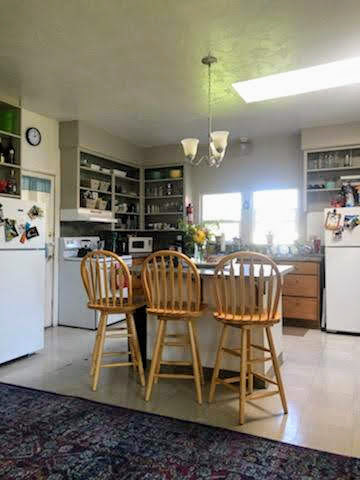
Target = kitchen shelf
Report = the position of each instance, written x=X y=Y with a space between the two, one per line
x=164 y=180
x=128 y=229
x=165 y=213
x=163 y=196
x=10 y=195
x=9 y=134
x=120 y=177
x=10 y=165
x=88 y=169
x=323 y=189
x=333 y=169
x=126 y=213
x=94 y=190
x=136 y=197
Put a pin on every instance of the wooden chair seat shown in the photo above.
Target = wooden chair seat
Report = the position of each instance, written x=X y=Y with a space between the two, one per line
x=175 y=312
x=256 y=319
x=119 y=307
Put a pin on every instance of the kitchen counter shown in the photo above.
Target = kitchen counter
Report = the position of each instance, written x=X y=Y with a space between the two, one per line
x=299 y=258
x=209 y=330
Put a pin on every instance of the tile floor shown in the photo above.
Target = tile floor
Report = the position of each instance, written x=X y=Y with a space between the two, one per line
x=320 y=371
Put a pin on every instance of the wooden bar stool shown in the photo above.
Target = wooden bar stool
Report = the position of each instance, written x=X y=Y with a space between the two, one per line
x=247 y=293
x=106 y=278
x=171 y=283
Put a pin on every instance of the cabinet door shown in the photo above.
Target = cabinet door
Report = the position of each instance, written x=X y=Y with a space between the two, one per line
x=301 y=285
x=301 y=308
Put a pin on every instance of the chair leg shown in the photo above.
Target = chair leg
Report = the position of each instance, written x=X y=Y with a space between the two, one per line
x=131 y=343
x=243 y=368
x=154 y=360
x=196 y=367
x=158 y=365
x=137 y=351
x=95 y=351
x=198 y=355
x=102 y=328
x=276 y=369
x=217 y=365
x=249 y=365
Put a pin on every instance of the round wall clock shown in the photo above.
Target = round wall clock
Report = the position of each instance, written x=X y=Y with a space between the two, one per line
x=33 y=136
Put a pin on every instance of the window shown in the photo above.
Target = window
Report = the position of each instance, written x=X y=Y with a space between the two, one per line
x=275 y=211
x=225 y=209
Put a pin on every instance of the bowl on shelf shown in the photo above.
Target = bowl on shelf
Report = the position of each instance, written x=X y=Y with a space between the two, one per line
x=119 y=173
x=175 y=173
x=155 y=175
x=95 y=167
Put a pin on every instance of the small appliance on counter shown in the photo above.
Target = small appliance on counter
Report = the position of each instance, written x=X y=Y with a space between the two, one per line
x=140 y=244
x=73 y=311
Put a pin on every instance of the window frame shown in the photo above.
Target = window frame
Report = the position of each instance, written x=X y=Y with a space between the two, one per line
x=253 y=211
x=212 y=221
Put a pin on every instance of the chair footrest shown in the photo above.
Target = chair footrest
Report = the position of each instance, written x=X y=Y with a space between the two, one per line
x=264 y=378
x=176 y=362
x=117 y=364
x=259 y=360
x=232 y=351
x=257 y=395
x=173 y=375
x=116 y=353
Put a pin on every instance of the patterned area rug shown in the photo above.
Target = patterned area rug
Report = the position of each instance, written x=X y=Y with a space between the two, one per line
x=56 y=437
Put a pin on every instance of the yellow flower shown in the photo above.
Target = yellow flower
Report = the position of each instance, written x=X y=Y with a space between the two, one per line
x=200 y=237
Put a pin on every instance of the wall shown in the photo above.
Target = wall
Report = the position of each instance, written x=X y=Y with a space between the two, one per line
x=330 y=136
x=45 y=158
x=76 y=133
x=273 y=162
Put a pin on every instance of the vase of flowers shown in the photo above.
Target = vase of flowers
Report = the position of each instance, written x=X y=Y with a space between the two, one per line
x=196 y=237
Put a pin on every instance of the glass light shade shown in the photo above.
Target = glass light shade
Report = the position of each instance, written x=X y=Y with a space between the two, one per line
x=220 y=140
x=213 y=151
x=190 y=146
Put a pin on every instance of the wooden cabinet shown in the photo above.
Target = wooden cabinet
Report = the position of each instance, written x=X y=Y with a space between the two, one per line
x=301 y=292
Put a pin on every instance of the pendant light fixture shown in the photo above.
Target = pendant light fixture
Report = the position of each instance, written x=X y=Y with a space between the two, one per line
x=217 y=141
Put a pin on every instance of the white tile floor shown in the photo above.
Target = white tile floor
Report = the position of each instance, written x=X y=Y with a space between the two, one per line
x=321 y=373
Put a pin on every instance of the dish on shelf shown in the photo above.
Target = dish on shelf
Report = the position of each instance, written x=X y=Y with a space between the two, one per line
x=119 y=173
x=106 y=170
x=104 y=186
x=155 y=175
x=95 y=167
x=101 y=204
x=175 y=173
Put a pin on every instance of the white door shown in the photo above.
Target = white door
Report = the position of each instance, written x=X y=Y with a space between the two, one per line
x=38 y=187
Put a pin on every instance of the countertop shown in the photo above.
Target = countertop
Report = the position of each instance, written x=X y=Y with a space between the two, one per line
x=283 y=269
x=299 y=258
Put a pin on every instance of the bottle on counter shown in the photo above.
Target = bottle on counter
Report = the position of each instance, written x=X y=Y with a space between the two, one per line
x=12 y=184
x=2 y=152
x=10 y=153
x=190 y=214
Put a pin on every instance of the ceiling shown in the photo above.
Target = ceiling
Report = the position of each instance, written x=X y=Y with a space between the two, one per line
x=133 y=67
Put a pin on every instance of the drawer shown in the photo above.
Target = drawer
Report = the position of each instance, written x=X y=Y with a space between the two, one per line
x=301 y=285
x=302 y=268
x=301 y=308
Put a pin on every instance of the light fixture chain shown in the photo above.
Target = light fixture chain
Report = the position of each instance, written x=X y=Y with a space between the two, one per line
x=209 y=103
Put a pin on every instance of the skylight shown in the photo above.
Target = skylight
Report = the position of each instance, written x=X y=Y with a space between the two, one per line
x=312 y=79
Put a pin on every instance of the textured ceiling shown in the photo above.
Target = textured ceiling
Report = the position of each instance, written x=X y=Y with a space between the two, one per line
x=133 y=67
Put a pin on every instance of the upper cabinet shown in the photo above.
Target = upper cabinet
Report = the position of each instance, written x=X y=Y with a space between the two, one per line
x=10 y=150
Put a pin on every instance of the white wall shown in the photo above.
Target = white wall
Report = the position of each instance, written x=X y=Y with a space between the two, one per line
x=273 y=162
x=45 y=158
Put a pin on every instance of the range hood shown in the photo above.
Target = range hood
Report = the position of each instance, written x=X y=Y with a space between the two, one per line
x=86 y=215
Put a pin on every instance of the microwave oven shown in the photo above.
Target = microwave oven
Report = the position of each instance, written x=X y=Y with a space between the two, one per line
x=140 y=244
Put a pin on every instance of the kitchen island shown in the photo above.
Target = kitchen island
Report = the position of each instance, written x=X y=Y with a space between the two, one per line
x=209 y=329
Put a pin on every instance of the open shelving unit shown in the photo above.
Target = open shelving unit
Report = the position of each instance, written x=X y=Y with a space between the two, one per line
x=164 y=198
x=10 y=135
x=324 y=167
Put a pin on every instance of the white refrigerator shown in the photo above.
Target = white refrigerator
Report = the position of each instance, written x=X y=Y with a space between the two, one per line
x=22 y=278
x=342 y=267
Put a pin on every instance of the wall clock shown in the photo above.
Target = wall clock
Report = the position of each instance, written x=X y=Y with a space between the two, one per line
x=33 y=136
